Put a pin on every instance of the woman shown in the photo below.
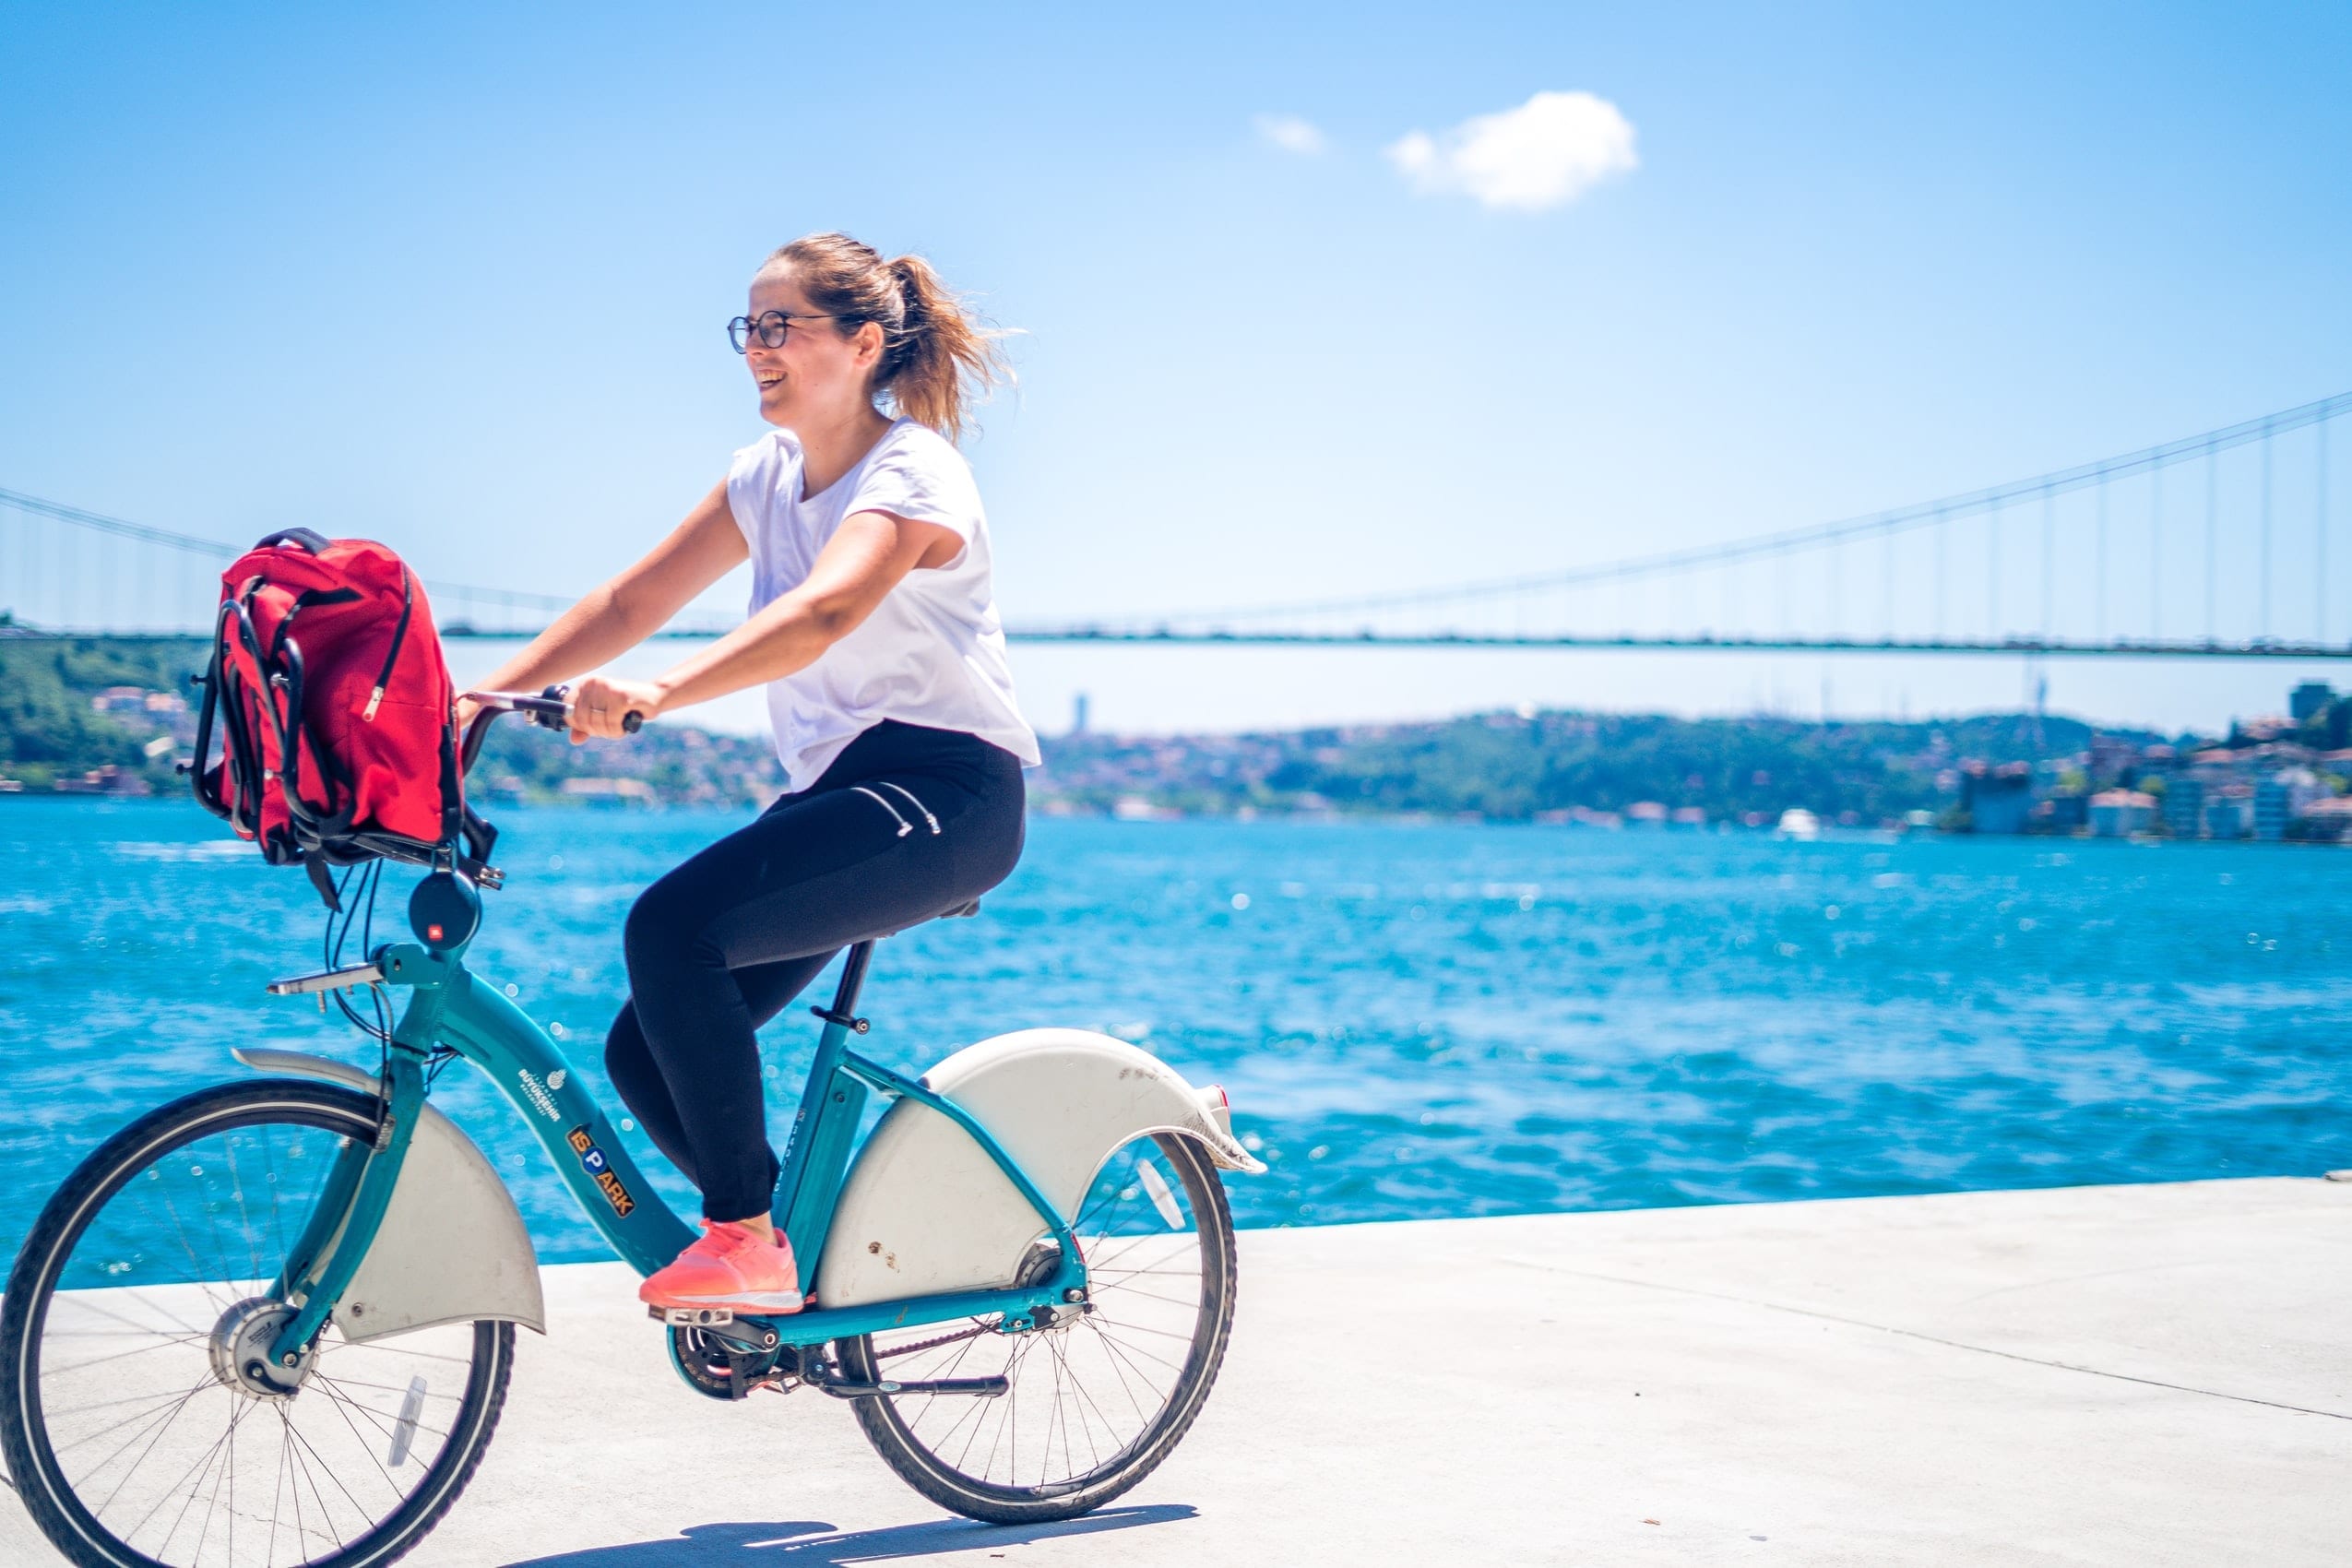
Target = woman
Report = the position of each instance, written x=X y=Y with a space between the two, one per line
x=874 y=628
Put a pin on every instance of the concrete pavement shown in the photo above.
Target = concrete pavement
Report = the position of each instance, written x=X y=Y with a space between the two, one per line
x=2130 y=1375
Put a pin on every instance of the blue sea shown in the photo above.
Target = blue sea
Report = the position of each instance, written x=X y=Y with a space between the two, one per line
x=1412 y=1019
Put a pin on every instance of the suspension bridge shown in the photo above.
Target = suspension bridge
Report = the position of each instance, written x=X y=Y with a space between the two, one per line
x=2214 y=545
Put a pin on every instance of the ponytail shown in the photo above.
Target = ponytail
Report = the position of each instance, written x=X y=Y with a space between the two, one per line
x=944 y=360
x=937 y=358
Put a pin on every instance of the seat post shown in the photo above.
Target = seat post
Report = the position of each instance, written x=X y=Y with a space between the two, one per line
x=853 y=979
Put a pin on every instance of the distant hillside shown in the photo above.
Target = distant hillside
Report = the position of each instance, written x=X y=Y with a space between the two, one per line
x=93 y=713
x=1514 y=768
x=50 y=729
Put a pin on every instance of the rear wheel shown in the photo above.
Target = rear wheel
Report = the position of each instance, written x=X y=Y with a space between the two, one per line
x=1102 y=1397
x=140 y=1423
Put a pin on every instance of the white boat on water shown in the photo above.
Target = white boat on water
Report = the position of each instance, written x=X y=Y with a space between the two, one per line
x=1798 y=823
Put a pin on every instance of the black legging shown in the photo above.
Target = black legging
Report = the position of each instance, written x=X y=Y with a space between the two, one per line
x=908 y=823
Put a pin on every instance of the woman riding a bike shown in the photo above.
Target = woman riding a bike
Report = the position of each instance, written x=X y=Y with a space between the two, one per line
x=873 y=627
x=274 y=1318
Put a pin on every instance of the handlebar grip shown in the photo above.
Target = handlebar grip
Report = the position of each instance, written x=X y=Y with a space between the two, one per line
x=552 y=709
x=557 y=715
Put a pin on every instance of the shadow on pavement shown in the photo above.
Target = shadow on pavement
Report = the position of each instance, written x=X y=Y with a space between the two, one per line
x=805 y=1543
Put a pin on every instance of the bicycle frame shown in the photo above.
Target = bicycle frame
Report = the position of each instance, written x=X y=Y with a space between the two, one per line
x=449 y=1006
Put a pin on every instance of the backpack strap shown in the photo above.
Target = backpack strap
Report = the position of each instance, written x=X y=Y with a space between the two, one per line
x=207 y=794
x=314 y=867
x=241 y=712
x=481 y=837
x=311 y=541
x=302 y=602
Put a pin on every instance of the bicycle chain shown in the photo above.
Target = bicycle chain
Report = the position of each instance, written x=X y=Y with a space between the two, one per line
x=934 y=1344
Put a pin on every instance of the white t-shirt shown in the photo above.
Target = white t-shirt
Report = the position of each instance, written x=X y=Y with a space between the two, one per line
x=933 y=652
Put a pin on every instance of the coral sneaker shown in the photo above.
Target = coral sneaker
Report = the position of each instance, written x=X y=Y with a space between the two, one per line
x=730 y=1266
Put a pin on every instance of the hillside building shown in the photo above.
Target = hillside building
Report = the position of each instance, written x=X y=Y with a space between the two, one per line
x=2229 y=811
x=1997 y=799
x=2118 y=814
x=2280 y=798
x=2184 y=806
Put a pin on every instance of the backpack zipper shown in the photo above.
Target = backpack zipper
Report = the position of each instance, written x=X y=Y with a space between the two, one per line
x=918 y=804
x=399 y=632
x=905 y=826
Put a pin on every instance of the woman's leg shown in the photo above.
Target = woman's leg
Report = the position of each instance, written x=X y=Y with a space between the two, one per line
x=767 y=989
x=817 y=871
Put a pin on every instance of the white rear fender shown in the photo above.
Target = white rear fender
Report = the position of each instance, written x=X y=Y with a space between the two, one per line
x=926 y=1210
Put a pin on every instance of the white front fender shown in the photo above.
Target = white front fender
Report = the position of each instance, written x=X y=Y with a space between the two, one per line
x=452 y=1247
x=925 y=1210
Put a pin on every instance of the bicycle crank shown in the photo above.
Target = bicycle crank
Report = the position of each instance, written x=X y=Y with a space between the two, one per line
x=718 y=1367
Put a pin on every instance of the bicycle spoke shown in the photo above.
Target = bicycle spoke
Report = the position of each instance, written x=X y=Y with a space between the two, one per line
x=202 y=1461
x=204 y=1467
x=1125 y=1348
x=342 y=1408
x=244 y=1216
x=81 y=1301
x=120 y=1355
x=1109 y=1428
x=152 y=1406
x=269 y=1180
x=1119 y=1372
x=317 y=1495
x=161 y=1421
x=1157 y=1333
x=376 y=1418
x=277 y=1500
x=946 y=1373
x=1137 y=1293
x=189 y=1247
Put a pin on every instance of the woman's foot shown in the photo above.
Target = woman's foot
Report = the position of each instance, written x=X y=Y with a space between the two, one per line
x=731 y=1266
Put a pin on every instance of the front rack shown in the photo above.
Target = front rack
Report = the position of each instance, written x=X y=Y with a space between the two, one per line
x=327 y=979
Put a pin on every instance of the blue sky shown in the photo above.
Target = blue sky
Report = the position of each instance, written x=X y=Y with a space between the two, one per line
x=456 y=279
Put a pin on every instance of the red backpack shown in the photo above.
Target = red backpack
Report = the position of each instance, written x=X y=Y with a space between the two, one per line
x=336 y=714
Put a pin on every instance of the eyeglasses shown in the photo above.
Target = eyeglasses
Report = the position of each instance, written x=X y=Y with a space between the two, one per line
x=771 y=325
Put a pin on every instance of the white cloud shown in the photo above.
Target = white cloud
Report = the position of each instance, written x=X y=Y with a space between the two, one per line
x=1547 y=152
x=1291 y=134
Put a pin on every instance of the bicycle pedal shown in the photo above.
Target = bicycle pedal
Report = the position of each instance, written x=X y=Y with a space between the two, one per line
x=691 y=1317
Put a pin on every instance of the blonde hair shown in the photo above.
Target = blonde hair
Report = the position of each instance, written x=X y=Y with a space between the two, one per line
x=937 y=358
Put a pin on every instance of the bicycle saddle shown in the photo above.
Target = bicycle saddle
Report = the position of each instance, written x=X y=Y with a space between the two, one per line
x=970 y=909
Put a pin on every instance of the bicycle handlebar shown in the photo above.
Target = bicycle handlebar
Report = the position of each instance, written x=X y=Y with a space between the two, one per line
x=550 y=709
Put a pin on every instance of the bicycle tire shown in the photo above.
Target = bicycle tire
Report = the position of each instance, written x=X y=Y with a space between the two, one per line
x=946 y=1484
x=33 y=1285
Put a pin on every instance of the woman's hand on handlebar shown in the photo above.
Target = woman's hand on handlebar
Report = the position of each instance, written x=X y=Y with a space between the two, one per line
x=601 y=703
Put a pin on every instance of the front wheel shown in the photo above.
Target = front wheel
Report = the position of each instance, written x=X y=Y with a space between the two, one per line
x=1102 y=1397
x=139 y=1424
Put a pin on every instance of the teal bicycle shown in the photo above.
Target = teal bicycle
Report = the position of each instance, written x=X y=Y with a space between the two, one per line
x=273 y=1322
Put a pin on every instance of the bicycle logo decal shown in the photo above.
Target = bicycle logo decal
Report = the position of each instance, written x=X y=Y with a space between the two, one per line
x=592 y=1160
x=538 y=1094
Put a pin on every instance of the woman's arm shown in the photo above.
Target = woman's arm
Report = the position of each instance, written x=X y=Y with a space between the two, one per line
x=623 y=613
x=866 y=557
